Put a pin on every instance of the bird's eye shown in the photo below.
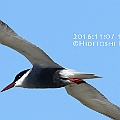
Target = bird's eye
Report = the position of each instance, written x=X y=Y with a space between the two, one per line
x=19 y=76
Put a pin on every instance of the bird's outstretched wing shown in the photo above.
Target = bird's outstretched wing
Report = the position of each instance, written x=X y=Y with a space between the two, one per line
x=33 y=53
x=92 y=98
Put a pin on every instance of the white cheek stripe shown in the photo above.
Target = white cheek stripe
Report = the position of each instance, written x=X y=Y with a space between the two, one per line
x=19 y=83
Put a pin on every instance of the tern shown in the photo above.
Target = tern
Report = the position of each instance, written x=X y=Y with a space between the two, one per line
x=45 y=73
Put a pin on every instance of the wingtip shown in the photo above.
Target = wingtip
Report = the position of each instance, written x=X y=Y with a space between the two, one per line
x=98 y=76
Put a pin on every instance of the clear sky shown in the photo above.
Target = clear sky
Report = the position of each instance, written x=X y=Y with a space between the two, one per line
x=82 y=35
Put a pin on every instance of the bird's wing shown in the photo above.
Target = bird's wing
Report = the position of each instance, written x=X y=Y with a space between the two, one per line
x=33 y=53
x=92 y=98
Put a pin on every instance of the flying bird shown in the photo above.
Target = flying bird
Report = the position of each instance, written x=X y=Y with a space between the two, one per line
x=45 y=73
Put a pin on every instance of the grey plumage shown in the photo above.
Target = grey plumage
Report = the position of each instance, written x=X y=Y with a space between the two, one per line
x=92 y=98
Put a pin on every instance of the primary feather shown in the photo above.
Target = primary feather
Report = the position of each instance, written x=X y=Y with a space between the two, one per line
x=92 y=98
x=33 y=53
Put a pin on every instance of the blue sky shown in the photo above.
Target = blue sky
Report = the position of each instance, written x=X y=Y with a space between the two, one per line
x=51 y=25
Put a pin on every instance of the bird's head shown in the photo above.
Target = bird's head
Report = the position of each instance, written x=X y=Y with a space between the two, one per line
x=19 y=79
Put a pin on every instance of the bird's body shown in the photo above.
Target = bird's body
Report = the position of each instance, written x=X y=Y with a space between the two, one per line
x=43 y=78
x=45 y=73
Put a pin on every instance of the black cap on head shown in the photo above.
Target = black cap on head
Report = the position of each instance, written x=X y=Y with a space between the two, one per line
x=18 y=76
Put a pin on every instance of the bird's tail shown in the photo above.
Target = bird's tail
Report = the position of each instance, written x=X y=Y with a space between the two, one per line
x=69 y=73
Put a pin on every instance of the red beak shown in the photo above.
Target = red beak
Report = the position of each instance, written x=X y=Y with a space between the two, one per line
x=8 y=87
